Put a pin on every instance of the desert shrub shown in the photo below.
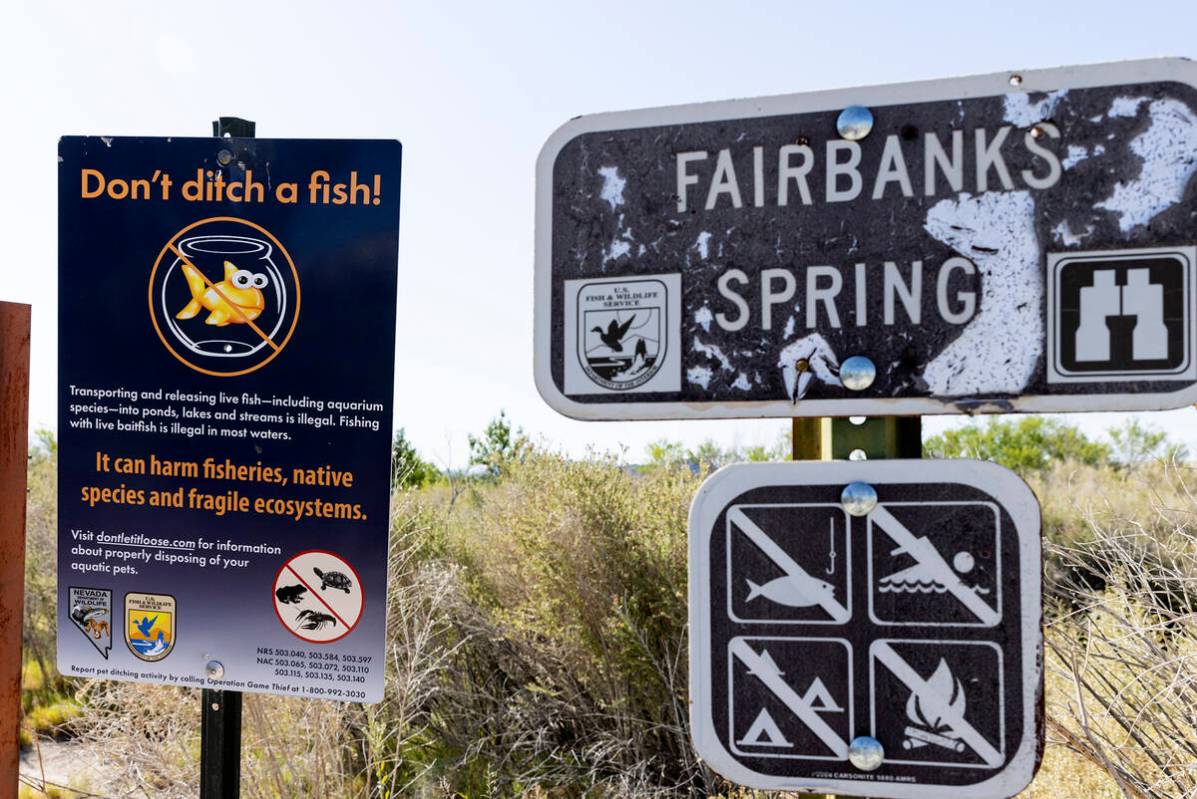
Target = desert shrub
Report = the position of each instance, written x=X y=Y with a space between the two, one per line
x=710 y=455
x=499 y=446
x=1083 y=502
x=563 y=640
x=41 y=585
x=1122 y=644
x=150 y=736
x=1135 y=443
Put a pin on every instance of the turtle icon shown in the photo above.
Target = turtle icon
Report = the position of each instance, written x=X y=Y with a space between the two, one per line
x=333 y=580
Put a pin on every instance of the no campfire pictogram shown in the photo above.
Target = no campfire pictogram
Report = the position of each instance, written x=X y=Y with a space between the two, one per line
x=318 y=596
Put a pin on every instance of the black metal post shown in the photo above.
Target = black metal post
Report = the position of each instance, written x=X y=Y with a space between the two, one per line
x=234 y=126
x=220 y=745
x=220 y=727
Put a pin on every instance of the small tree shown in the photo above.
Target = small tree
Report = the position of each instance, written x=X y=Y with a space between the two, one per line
x=45 y=446
x=1136 y=444
x=408 y=469
x=664 y=453
x=709 y=455
x=1031 y=443
x=499 y=446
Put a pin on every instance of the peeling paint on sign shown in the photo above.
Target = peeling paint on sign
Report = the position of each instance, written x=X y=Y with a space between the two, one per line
x=922 y=246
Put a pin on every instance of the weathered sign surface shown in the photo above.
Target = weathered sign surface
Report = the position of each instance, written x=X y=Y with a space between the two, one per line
x=226 y=363
x=1016 y=241
x=916 y=625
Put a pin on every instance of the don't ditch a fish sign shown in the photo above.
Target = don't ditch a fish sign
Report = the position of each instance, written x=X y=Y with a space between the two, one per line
x=225 y=376
x=1008 y=242
x=867 y=628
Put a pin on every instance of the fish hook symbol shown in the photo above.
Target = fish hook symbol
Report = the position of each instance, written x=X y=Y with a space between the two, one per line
x=831 y=558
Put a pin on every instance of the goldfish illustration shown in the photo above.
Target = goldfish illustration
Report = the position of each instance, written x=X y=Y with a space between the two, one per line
x=237 y=298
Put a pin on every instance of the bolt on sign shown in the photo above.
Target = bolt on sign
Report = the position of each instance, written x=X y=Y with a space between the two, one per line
x=226 y=365
x=1005 y=242
x=869 y=628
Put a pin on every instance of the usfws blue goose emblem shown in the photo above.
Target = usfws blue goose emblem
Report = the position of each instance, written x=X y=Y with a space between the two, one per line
x=150 y=625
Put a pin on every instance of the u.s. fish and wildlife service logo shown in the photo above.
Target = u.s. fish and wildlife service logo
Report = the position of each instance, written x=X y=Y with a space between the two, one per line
x=91 y=613
x=150 y=625
x=624 y=333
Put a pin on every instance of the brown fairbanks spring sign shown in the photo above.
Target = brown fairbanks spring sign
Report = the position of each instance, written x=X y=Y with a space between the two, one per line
x=1016 y=241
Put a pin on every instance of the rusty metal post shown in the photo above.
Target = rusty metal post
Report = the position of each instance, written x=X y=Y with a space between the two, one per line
x=14 y=461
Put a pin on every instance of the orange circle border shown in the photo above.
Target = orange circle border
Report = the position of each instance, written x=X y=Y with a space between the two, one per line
x=154 y=315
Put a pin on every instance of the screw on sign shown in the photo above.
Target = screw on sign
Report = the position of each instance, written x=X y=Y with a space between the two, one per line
x=318 y=596
x=869 y=628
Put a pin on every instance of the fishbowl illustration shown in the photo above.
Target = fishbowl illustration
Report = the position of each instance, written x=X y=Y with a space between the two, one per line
x=224 y=297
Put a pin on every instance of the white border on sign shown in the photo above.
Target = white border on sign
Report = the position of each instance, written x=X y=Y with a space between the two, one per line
x=991 y=85
x=730 y=482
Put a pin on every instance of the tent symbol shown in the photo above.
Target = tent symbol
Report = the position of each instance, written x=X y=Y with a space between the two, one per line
x=818 y=698
x=765 y=732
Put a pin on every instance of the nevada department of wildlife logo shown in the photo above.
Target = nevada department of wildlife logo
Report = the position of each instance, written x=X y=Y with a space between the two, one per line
x=150 y=625
x=91 y=613
x=622 y=340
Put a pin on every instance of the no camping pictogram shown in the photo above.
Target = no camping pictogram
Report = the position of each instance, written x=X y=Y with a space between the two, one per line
x=803 y=711
x=224 y=296
x=318 y=596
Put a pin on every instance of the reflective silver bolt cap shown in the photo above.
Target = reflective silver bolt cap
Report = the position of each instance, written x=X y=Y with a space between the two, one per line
x=214 y=669
x=857 y=373
x=858 y=498
x=854 y=122
x=866 y=753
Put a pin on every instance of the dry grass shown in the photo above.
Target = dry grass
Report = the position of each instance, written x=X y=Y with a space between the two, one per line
x=536 y=647
x=1123 y=644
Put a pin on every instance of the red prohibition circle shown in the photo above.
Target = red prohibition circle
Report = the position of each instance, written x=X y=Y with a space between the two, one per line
x=292 y=559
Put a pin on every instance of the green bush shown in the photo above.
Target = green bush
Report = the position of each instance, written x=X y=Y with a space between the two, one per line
x=1027 y=444
x=52 y=721
x=408 y=469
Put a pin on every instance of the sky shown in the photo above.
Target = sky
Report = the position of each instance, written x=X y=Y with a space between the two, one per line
x=473 y=90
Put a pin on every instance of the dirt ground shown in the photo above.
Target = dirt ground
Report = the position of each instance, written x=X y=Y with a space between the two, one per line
x=63 y=764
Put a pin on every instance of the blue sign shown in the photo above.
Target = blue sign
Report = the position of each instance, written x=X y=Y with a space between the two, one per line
x=226 y=372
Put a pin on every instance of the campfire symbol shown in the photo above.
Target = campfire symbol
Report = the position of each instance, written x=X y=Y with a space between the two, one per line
x=931 y=729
